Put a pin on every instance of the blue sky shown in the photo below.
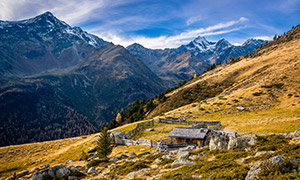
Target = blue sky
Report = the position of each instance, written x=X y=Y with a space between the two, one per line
x=165 y=23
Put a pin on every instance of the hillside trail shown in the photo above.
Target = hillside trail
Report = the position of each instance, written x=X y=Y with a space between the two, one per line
x=65 y=149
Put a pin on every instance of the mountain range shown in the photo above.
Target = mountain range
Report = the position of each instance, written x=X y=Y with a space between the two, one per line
x=179 y=64
x=59 y=81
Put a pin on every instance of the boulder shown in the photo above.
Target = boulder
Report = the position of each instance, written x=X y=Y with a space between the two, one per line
x=46 y=165
x=142 y=149
x=118 y=137
x=114 y=159
x=167 y=157
x=134 y=173
x=90 y=148
x=74 y=169
x=263 y=152
x=183 y=154
x=280 y=161
x=43 y=174
x=222 y=140
x=297 y=133
x=69 y=161
x=62 y=172
x=91 y=170
x=132 y=154
x=148 y=130
x=105 y=172
x=193 y=157
x=240 y=108
x=219 y=141
x=182 y=162
x=123 y=156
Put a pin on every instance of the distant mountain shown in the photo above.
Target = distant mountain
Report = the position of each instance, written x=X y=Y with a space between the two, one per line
x=178 y=64
x=58 y=81
x=42 y=43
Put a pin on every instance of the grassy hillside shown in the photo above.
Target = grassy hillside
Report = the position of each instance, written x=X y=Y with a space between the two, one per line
x=258 y=93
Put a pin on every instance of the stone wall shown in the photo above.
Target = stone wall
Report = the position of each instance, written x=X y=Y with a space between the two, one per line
x=213 y=125
x=139 y=126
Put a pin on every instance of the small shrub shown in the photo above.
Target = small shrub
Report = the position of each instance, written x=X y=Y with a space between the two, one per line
x=128 y=167
x=165 y=161
x=278 y=86
x=235 y=100
x=257 y=93
x=96 y=162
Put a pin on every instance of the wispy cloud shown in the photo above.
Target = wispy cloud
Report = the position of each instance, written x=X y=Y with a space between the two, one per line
x=266 y=38
x=193 y=19
x=71 y=11
x=175 y=40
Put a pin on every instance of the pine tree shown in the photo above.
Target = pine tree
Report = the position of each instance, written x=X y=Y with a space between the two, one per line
x=104 y=143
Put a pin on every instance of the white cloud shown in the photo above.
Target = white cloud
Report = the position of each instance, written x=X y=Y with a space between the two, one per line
x=71 y=11
x=193 y=19
x=175 y=40
x=266 y=38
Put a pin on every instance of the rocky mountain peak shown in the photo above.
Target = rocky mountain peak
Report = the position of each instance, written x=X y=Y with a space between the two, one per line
x=223 y=43
x=202 y=44
x=253 y=42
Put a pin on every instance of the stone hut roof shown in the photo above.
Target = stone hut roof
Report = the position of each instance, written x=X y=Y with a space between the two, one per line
x=188 y=133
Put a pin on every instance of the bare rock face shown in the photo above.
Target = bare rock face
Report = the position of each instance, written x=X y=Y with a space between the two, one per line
x=218 y=141
x=279 y=161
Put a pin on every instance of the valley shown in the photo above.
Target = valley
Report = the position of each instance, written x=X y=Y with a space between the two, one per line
x=51 y=111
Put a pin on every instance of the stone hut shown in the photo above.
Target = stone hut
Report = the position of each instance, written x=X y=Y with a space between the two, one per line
x=189 y=136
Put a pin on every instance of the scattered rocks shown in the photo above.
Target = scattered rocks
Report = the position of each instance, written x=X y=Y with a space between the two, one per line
x=157 y=161
x=134 y=173
x=167 y=157
x=74 y=169
x=148 y=130
x=240 y=108
x=62 y=172
x=277 y=160
x=123 y=156
x=183 y=154
x=105 y=172
x=297 y=133
x=263 y=152
x=132 y=154
x=69 y=161
x=90 y=148
x=182 y=162
x=91 y=170
x=114 y=159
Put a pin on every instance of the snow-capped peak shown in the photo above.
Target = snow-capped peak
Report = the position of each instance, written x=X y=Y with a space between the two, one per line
x=254 y=42
x=200 y=40
x=202 y=44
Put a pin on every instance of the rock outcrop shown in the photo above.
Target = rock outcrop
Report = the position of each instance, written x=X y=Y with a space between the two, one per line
x=56 y=172
x=221 y=140
x=280 y=161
